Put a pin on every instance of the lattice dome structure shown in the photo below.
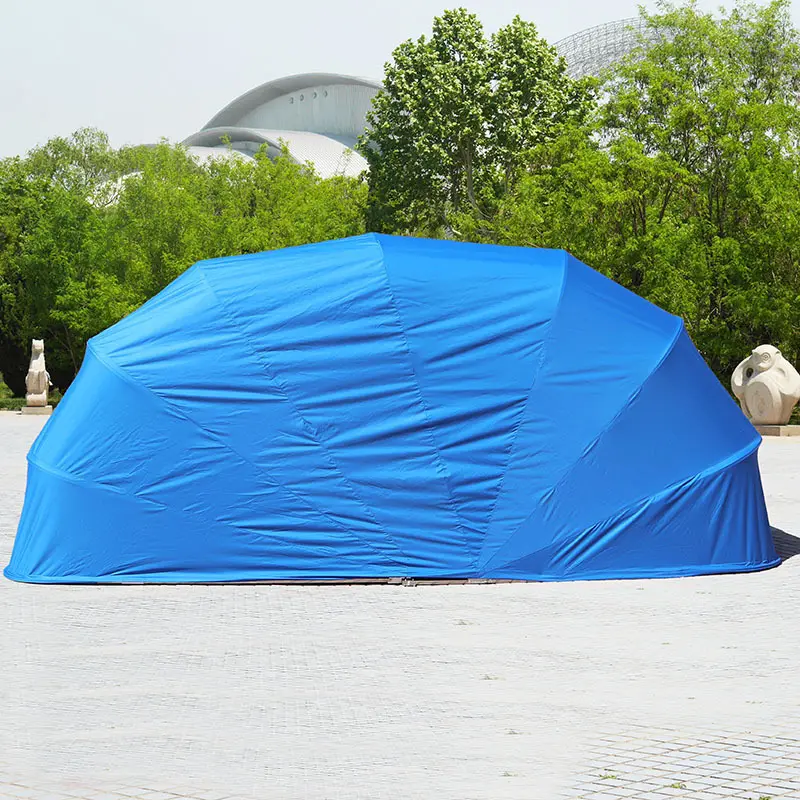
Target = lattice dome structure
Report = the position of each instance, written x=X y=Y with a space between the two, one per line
x=590 y=51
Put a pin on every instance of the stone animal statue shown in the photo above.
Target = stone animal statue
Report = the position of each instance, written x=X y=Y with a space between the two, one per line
x=37 y=381
x=767 y=386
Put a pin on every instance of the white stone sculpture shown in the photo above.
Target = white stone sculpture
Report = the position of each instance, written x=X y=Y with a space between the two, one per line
x=37 y=382
x=767 y=386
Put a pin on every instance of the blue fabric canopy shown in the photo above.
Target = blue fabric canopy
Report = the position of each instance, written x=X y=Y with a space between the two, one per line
x=383 y=407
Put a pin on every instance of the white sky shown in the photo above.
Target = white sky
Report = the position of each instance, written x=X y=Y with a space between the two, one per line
x=146 y=69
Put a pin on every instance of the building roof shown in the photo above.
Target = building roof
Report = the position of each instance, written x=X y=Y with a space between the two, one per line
x=316 y=116
x=280 y=87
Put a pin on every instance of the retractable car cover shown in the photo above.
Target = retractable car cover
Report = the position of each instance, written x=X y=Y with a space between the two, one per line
x=381 y=407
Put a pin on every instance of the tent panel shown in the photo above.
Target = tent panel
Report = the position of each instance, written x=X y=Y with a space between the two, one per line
x=233 y=395
x=90 y=434
x=115 y=538
x=329 y=333
x=192 y=506
x=602 y=344
x=681 y=423
x=714 y=523
x=475 y=319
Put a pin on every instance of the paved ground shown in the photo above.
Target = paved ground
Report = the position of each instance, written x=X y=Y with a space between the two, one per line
x=630 y=689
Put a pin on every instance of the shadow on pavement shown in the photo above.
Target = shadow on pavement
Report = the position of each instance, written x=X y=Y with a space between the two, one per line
x=786 y=544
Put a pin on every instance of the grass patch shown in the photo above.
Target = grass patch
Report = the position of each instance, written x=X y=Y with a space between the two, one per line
x=12 y=403
x=7 y=400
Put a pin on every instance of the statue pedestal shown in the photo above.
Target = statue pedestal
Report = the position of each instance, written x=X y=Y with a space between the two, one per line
x=40 y=410
x=778 y=430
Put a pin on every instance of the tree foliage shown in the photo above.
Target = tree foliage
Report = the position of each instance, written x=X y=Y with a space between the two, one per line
x=88 y=233
x=686 y=185
x=456 y=116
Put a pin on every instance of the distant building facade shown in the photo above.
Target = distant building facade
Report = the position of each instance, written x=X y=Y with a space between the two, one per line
x=317 y=116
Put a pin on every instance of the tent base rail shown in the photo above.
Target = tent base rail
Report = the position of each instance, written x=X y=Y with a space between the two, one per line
x=298 y=582
x=375 y=582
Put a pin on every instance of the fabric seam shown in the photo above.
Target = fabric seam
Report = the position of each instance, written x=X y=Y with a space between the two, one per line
x=545 y=345
x=429 y=427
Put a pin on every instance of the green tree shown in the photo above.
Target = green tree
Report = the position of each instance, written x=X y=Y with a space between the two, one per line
x=20 y=211
x=686 y=187
x=448 y=132
x=49 y=215
x=88 y=233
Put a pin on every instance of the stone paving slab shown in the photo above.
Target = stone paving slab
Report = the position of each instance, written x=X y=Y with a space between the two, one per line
x=625 y=689
x=647 y=763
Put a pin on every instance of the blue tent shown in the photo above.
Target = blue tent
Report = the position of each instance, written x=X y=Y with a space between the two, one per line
x=384 y=407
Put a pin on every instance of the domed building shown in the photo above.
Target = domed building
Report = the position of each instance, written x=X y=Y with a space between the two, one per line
x=317 y=116
x=593 y=50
